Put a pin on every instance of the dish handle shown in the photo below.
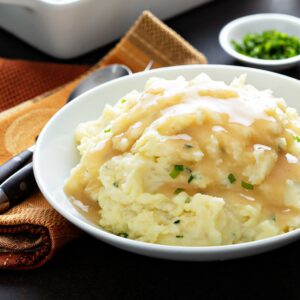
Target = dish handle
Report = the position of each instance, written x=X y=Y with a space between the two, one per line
x=24 y=3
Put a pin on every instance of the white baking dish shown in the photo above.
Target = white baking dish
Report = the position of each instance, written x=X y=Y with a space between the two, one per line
x=69 y=28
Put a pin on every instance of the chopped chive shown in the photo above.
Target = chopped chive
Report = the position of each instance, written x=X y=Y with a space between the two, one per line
x=188 y=169
x=178 y=167
x=231 y=178
x=187 y=200
x=188 y=146
x=191 y=178
x=178 y=191
x=179 y=236
x=268 y=44
x=123 y=234
x=177 y=222
x=247 y=185
x=175 y=172
x=123 y=100
x=116 y=184
x=273 y=217
x=107 y=130
x=297 y=138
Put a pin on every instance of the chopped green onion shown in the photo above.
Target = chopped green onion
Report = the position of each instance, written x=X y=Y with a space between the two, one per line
x=177 y=222
x=231 y=178
x=123 y=100
x=188 y=146
x=107 y=130
x=247 y=185
x=123 y=234
x=273 y=217
x=187 y=200
x=175 y=172
x=178 y=167
x=270 y=44
x=188 y=169
x=116 y=184
x=178 y=191
x=179 y=236
x=297 y=138
x=191 y=178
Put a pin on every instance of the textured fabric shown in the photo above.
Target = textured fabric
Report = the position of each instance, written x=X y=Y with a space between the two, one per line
x=31 y=232
x=21 y=80
x=150 y=39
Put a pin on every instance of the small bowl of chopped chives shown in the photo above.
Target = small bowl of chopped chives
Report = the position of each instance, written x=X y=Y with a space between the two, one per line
x=268 y=41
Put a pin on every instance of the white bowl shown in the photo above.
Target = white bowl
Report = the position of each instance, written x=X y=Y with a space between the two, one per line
x=56 y=154
x=237 y=29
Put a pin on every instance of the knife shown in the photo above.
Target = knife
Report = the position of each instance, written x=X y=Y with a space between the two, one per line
x=17 y=187
x=16 y=163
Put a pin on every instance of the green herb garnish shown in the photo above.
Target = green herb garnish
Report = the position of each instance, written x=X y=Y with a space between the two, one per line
x=123 y=100
x=231 y=178
x=178 y=191
x=175 y=172
x=297 y=138
x=179 y=236
x=191 y=178
x=247 y=185
x=123 y=234
x=116 y=184
x=107 y=130
x=273 y=217
x=188 y=146
x=270 y=44
x=187 y=200
x=177 y=222
x=188 y=169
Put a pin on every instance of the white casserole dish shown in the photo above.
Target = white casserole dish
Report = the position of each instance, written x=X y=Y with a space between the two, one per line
x=69 y=28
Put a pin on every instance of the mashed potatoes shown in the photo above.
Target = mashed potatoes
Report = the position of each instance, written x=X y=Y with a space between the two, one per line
x=191 y=163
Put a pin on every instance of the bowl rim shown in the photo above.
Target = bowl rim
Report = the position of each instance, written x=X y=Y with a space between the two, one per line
x=225 y=43
x=114 y=239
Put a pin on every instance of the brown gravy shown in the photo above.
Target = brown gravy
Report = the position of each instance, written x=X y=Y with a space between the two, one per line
x=239 y=121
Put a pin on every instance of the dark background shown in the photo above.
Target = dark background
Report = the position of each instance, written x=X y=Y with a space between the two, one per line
x=90 y=269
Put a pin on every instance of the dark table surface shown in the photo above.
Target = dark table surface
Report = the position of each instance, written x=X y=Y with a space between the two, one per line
x=90 y=269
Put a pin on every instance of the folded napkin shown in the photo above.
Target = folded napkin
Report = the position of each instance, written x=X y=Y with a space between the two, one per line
x=21 y=80
x=33 y=231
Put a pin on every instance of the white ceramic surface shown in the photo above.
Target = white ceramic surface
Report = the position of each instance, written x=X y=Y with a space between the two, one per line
x=68 y=28
x=56 y=154
x=236 y=30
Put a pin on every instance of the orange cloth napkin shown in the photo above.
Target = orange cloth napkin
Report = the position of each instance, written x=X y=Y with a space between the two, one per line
x=21 y=80
x=33 y=231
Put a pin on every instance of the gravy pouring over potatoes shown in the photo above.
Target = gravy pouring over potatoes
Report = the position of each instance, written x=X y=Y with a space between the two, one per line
x=192 y=163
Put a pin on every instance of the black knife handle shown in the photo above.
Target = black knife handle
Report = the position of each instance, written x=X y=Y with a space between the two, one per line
x=14 y=164
x=20 y=185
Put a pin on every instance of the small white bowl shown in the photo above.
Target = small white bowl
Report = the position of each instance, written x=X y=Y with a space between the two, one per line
x=237 y=29
x=56 y=154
